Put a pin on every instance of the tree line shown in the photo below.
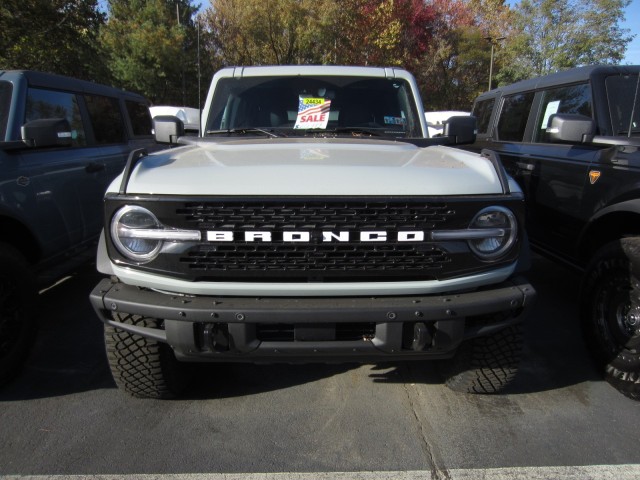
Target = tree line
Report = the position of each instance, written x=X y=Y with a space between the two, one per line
x=168 y=50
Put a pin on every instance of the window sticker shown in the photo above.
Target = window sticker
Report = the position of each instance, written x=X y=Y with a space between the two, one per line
x=552 y=107
x=394 y=120
x=313 y=113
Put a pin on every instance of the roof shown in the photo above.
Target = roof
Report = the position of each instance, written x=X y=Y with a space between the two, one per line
x=574 y=75
x=61 y=82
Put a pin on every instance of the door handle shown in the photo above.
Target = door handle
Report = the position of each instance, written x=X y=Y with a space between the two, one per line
x=526 y=166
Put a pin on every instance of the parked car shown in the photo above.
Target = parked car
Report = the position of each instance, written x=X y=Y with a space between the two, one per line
x=572 y=140
x=62 y=141
x=309 y=223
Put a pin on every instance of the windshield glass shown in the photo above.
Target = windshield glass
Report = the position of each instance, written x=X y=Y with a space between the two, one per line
x=314 y=105
x=5 y=104
x=622 y=91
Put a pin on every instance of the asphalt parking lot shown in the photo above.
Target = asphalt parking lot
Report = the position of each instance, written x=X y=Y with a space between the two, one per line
x=64 y=416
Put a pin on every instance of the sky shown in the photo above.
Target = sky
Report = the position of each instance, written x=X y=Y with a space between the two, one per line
x=632 y=22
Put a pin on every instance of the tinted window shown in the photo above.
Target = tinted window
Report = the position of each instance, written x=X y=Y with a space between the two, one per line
x=573 y=99
x=385 y=106
x=51 y=104
x=140 y=118
x=5 y=103
x=482 y=112
x=106 y=119
x=621 y=93
x=513 y=119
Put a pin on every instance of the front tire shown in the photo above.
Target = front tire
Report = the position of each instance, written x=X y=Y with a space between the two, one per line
x=610 y=313
x=18 y=299
x=486 y=364
x=142 y=367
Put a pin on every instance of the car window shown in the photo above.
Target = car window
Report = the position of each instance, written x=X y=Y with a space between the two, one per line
x=106 y=119
x=285 y=103
x=5 y=103
x=482 y=112
x=140 y=118
x=622 y=93
x=43 y=104
x=514 y=115
x=568 y=99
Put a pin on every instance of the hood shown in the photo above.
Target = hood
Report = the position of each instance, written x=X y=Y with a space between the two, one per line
x=323 y=167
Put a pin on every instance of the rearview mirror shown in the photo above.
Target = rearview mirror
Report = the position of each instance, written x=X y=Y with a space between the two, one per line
x=168 y=128
x=570 y=128
x=461 y=129
x=47 y=132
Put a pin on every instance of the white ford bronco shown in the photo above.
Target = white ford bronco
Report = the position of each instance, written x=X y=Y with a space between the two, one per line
x=312 y=220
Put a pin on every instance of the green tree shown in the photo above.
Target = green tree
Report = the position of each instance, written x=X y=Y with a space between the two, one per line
x=555 y=36
x=150 y=48
x=57 y=36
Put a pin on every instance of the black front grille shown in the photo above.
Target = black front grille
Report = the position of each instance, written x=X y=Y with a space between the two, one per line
x=315 y=258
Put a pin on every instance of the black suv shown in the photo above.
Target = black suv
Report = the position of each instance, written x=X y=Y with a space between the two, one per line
x=62 y=141
x=572 y=141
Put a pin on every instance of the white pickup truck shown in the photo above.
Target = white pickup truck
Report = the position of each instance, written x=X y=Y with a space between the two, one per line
x=313 y=220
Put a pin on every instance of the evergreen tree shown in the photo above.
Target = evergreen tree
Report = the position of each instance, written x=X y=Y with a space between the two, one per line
x=150 y=48
x=57 y=36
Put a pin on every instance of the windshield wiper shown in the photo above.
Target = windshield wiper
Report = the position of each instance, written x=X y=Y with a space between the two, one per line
x=243 y=131
x=355 y=131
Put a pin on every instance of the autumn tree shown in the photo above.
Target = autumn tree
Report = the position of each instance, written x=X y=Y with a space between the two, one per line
x=151 y=48
x=455 y=68
x=57 y=36
x=254 y=32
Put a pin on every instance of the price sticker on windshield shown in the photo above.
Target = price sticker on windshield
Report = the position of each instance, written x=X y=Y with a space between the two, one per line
x=313 y=113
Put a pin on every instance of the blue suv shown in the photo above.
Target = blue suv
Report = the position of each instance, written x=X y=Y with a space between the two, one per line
x=62 y=141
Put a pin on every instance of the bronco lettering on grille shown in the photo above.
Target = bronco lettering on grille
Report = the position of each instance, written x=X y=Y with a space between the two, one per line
x=306 y=237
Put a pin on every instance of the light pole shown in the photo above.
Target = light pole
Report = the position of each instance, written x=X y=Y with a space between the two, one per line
x=493 y=41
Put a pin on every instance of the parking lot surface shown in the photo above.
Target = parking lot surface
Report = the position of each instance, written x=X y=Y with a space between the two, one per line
x=64 y=416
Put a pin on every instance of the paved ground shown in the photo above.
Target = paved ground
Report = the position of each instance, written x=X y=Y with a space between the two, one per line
x=64 y=416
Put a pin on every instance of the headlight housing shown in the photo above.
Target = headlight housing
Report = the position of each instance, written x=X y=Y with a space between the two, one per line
x=497 y=230
x=139 y=236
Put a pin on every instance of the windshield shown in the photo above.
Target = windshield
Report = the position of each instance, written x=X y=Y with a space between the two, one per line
x=623 y=93
x=5 y=104
x=314 y=105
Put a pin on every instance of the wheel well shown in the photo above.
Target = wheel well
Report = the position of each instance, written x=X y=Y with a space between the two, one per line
x=606 y=229
x=19 y=237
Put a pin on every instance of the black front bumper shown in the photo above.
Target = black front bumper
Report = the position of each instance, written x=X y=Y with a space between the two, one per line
x=203 y=328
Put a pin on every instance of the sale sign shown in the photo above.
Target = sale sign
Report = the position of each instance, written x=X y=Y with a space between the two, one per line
x=313 y=113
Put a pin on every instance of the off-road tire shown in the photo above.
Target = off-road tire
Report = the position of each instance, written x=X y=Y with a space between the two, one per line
x=486 y=364
x=610 y=313
x=142 y=367
x=18 y=299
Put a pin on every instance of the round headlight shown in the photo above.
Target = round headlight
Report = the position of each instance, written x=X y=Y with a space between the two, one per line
x=129 y=227
x=500 y=232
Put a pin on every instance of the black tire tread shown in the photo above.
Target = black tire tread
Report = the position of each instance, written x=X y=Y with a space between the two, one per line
x=619 y=367
x=487 y=364
x=141 y=367
x=15 y=270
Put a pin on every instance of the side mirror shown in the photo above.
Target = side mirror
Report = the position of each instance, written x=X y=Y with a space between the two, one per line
x=570 y=128
x=461 y=129
x=167 y=128
x=47 y=132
